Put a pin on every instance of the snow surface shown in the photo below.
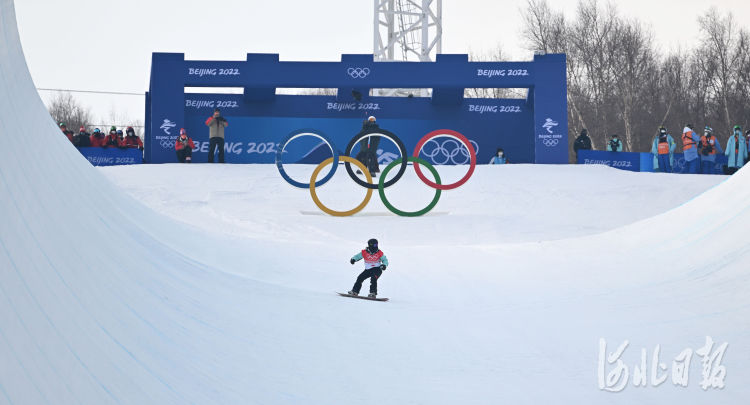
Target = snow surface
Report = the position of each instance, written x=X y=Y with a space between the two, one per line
x=217 y=286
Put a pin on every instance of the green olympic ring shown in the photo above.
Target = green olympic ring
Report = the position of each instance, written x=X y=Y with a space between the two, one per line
x=428 y=208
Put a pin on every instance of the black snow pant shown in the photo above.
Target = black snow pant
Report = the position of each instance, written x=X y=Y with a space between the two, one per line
x=213 y=143
x=373 y=274
x=368 y=153
x=185 y=155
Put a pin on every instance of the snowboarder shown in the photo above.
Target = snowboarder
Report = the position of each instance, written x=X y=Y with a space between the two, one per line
x=375 y=264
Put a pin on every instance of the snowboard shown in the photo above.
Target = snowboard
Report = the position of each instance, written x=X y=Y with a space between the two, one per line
x=362 y=297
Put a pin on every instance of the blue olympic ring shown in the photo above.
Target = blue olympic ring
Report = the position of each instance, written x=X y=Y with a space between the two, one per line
x=306 y=132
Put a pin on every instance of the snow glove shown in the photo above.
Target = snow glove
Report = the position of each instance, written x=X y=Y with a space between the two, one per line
x=352 y=261
x=382 y=267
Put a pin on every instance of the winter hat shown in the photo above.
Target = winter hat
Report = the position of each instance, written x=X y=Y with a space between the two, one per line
x=81 y=129
x=182 y=131
x=709 y=129
x=371 y=118
x=585 y=131
x=119 y=132
x=130 y=130
x=62 y=125
x=97 y=130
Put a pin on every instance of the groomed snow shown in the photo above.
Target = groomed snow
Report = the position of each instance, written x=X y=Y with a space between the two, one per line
x=214 y=284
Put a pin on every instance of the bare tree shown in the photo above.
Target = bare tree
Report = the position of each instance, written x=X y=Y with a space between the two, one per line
x=723 y=53
x=65 y=109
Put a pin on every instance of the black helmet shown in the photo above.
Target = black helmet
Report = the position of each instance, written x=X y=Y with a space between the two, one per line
x=372 y=245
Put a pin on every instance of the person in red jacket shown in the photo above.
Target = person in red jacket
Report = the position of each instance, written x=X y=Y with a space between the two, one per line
x=184 y=147
x=115 y=139
x=131 y=140
x=97 y=138
x=68 y=134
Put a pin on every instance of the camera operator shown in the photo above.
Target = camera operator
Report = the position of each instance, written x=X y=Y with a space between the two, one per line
x=709 y=146
x=614 y=144
x=216 y=124
x=184 y=147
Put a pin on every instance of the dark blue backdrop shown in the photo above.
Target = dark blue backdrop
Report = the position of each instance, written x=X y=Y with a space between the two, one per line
x=530 y=130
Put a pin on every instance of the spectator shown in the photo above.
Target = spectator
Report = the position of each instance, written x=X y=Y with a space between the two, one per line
x=583 y=142
x=184 y=147
x=216 y=124
x=68 y=134
x=82 y=140
x=663 y=151
x=132 y=140
x=97 y=138
x=499 y=158
x=368 y=147
x=689 y=147
x=709 y=147
x=736 y=151
x=111 y=139
x=614 y=144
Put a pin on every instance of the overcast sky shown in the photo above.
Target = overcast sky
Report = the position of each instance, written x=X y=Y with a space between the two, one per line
x=107 y=45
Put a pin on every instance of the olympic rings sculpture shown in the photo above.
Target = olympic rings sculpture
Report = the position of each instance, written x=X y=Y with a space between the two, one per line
x=382 y=184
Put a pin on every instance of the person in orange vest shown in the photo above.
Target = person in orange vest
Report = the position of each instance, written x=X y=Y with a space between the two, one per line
x=663 y=151
x=184 y=147
x=690 y=142
x=709 y=147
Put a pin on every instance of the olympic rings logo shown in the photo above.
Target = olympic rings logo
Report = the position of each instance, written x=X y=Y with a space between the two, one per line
x=550 y=142
x=358 y=73
x=450 y=154
x=382 y=184
x=166 y=144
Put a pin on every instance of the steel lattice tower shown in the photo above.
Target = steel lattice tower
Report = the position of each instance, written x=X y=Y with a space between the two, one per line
x=407 y=30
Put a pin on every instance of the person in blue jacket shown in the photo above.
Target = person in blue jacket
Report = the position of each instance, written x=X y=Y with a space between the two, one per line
x=499 y=158
x=736 y=150
x=690 y=142
x=375 y=264
x=709 y=147
x=663 y=150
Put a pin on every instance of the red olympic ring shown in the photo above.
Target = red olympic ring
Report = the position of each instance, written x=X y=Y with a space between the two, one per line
x=451 y=134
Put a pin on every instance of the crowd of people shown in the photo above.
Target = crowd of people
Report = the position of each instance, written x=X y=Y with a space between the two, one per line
x=700 y=151
x=115 y=139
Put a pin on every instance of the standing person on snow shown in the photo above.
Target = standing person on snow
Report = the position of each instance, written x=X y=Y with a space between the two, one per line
x=184 y=147
x=583 y=142
x=663 y=151
x=499 y=158
x=368 y=147
x=68 y=134
x=614 y=144
x=132 y=140
x=375 y=264
x=97 y=138
x=736 y=150
x=709 y=147
x=114 y=139
x=216 y=124
x=690 y=147
x=83 y=139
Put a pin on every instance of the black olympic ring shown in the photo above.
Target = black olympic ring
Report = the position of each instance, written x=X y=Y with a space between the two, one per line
x=386 y=134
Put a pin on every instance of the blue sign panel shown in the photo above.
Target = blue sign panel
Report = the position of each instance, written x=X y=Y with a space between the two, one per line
x=112 y=156
x=531 y=130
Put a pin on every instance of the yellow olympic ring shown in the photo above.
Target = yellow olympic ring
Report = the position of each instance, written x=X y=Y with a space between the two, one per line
x=327 y=210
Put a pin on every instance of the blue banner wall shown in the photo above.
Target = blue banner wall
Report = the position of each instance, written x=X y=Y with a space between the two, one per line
x=533 y=130
x=643 y=162
x=112 y=156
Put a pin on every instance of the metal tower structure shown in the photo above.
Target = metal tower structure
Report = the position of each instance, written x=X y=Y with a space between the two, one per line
x=407 y=30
